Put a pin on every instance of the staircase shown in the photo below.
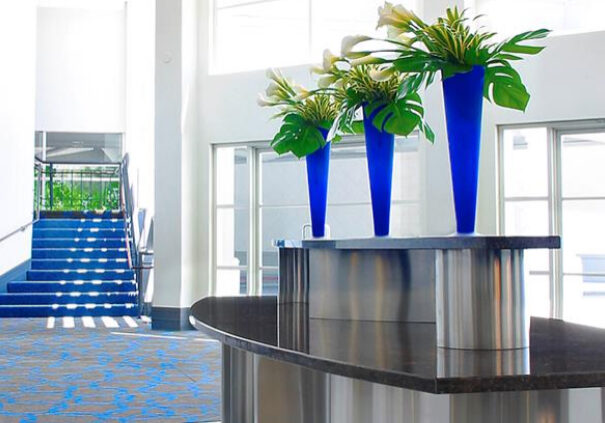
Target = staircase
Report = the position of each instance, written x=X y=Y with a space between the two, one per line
x=79 y=267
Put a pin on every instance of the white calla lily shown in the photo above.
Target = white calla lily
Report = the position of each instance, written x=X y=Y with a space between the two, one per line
x=274 y=74
x=302 y=93
x=398 y=16
x=318 y=70
x=326 y=81
x=349 y=42
x=381 y=75
x=328 y=60
x=367 y=60
x=272 y=89
x=262 y=101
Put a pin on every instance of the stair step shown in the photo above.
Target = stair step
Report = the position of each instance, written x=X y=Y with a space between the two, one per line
x=28 y=298
x=46 y=233
x=79 y=263
x=75 y=310
x=78 y=242
x=75 y=253
x=79 y=223
x=71 y=286
x=80 y=274
x=87 y=214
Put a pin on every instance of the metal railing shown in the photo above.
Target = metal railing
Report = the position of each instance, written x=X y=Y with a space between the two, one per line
x=140 y=258
x=77 y=187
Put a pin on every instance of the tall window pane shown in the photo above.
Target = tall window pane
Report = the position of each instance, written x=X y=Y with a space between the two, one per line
x=258 y=34
x=568 y=201
x=526 y=207
x=583 y=230
x=564 y=16
x=231 y=214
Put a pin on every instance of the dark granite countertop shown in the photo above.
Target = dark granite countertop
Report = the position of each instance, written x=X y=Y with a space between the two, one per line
x=427 y=243
x=561 y=355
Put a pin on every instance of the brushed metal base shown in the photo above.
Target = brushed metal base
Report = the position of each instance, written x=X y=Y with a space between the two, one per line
x=378 y=285
x=257 y=389
x=480 y=298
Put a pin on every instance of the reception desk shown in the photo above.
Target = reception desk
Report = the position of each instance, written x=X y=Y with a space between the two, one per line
x=358 y=330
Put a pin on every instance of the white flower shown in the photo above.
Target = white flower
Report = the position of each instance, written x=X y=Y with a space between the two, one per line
x=272 y=89
x=367 y=60
x=302 y=93
x=381 y=75
x=274 y=74
x=349 y=42
x=328 y=60
x=326 y=81
x=263 y=101
x=397 y=16
x=317 y=70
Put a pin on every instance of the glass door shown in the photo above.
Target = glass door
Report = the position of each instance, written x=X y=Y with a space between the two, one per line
x=582 y=225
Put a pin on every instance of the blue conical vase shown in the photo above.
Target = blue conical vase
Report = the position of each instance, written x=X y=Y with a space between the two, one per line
x=318 y=170
x=380 y=147
x=463 y=98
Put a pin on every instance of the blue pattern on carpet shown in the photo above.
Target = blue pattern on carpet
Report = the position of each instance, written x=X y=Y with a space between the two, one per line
x=106 y=375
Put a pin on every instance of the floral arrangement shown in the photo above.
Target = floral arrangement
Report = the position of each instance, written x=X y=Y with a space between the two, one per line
x=304 y=114
x=363 y=84
x=449 y=46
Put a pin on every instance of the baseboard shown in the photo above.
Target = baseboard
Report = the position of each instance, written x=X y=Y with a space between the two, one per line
x=16 y=273
x=170 y=318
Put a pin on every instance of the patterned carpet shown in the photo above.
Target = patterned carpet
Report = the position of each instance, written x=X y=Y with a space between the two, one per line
x=68 y=371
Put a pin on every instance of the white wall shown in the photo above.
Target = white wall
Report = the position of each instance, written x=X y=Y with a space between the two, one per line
x=81 y=69
x=565 y=82
x=140 y=96
x=17 y=88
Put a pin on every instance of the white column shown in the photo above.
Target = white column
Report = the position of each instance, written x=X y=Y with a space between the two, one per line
x=177 y=235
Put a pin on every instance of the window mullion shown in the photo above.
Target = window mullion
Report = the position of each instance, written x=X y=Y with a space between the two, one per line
x=310 y=29
x=556 y=222
x=253 y=224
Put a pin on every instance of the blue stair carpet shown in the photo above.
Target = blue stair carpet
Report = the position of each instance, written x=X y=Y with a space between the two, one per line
x=79 y=267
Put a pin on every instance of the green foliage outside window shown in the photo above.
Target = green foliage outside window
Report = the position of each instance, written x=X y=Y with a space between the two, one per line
x=78 y=189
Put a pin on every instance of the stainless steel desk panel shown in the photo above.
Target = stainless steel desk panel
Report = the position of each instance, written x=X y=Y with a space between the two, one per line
x=382 y=285
x=238 y=385
x=481 y=300
x=262 y=390
x=293 y=275
x=290 y=393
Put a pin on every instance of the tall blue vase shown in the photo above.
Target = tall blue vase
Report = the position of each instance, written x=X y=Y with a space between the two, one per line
x=463 y=98
x=318 y=169
x=380 y=146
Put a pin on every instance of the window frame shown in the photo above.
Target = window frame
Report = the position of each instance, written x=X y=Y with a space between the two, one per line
x=555 y=131
x=255 y=266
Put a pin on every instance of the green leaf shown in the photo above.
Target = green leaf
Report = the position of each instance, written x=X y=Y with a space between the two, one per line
x=358 y=127
x=504 y=86
x=297 y=136
x=401 y=117
x=514 y=96
x=428 y=132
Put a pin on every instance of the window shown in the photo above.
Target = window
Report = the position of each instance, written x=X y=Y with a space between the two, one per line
x=509 y=17
x=76 y=147
x=285 y=32
x=551 y=183
x=260 y=196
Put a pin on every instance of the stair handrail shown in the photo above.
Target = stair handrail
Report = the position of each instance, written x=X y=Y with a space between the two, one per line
x=127 y=212
x=36 y=212
x=21 y=228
